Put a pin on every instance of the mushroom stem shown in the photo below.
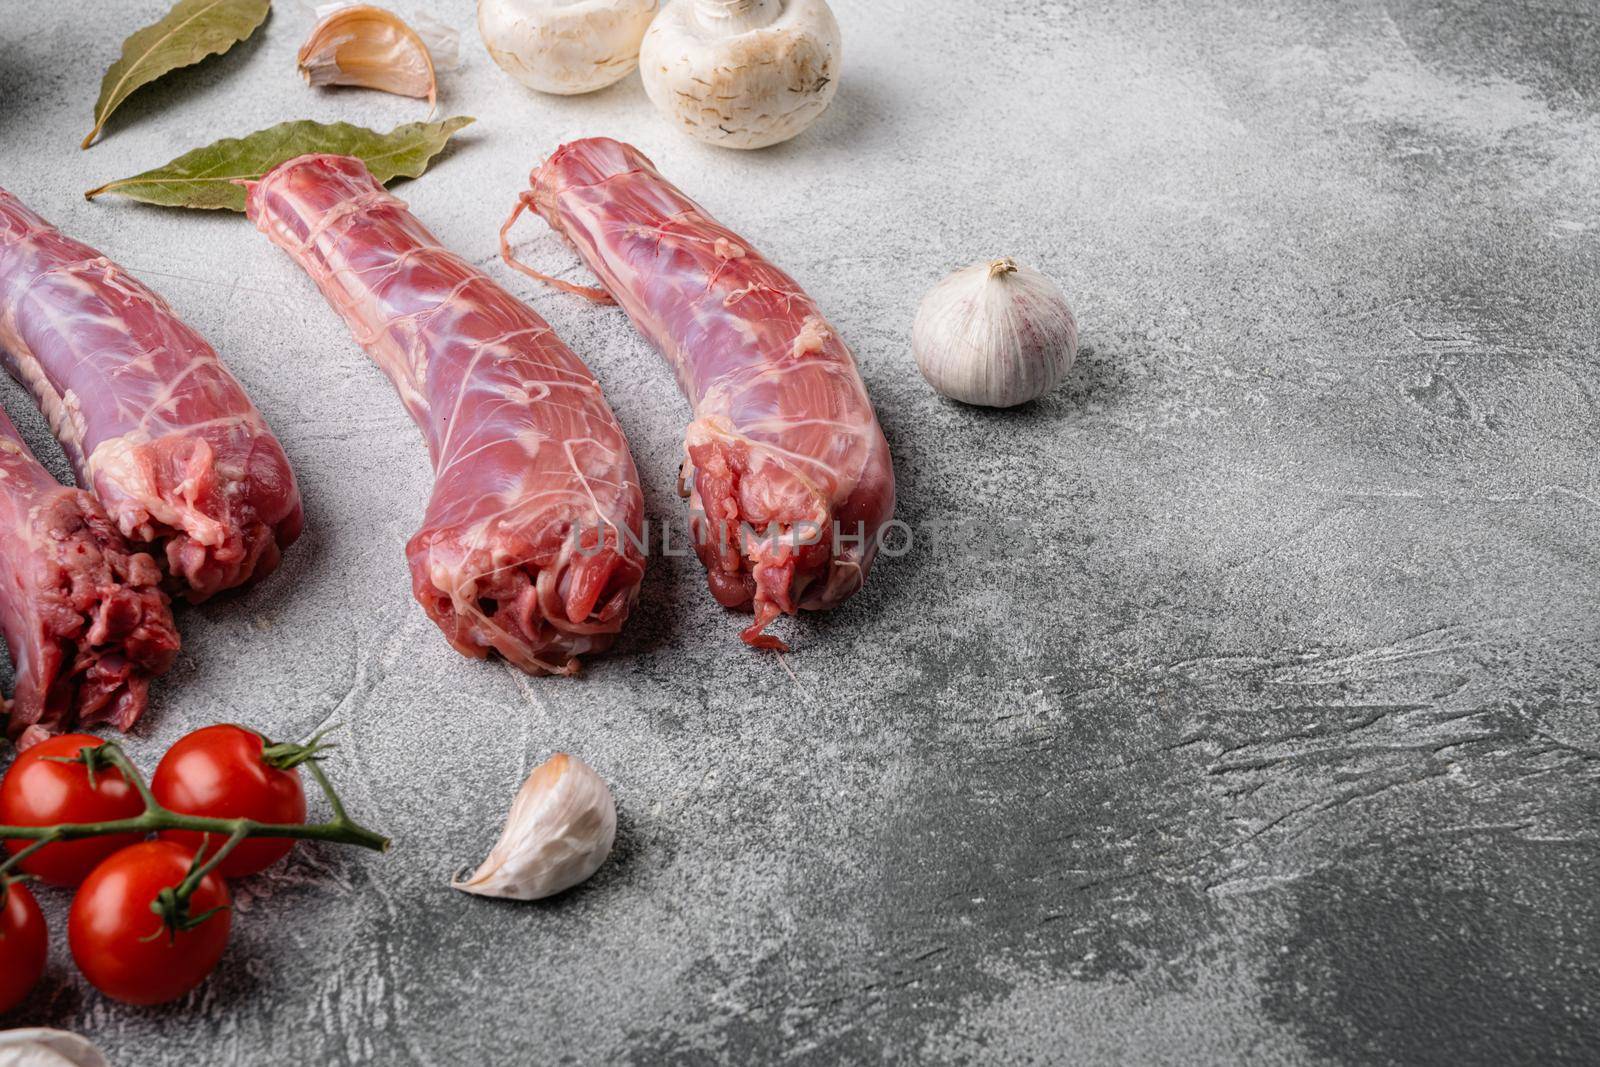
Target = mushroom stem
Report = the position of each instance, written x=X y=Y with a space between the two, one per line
x=737 y=16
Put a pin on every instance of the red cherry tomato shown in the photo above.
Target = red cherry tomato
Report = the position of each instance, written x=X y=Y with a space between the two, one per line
x=220 y=772
x=40 y=789
x=23 y=945
x=124 y=948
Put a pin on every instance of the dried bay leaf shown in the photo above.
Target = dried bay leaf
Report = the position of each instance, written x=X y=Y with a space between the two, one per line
x=191 y=31
x=205 y=177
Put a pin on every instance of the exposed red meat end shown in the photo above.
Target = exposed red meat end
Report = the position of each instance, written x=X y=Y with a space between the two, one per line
x=152 y=421
x=791 y=478
x=84 y=616
x=532 y=542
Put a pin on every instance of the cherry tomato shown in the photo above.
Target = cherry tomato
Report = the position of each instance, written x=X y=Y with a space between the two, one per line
x=220 y=772
x=23 y=945
x=40 y=789
x=124 y=948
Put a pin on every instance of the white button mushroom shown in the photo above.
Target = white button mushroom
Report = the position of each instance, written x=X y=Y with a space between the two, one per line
x=565 y=46
x=742 y=73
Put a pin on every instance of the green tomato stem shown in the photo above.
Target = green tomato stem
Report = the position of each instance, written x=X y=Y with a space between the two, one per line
x=286 y=755
x=155 y=818
x=112 y=753
x=343 y=831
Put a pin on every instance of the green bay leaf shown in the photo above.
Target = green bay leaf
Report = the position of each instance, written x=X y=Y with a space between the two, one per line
x=206 y=177
x=191 y=31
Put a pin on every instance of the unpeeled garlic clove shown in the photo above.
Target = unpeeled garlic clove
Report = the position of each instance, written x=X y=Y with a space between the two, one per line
x=562 y=825
x=372 y=48
x=996 y=334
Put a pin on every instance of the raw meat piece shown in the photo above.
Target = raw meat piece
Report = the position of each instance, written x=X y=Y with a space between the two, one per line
x=153 y=422
x=532 y=541
x=83 y=615
x=790 y=474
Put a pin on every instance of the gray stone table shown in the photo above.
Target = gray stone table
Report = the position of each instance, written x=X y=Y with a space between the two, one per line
x=1266 y=730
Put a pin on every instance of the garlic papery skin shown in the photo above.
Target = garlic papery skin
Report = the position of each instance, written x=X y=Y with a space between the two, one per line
x=996 y=334
x=560 y=830
x=565 y=46
x=369 y=47
x=39 y=1047
x=742 y=73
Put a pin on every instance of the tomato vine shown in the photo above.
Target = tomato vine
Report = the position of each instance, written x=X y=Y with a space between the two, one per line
x=172 y=904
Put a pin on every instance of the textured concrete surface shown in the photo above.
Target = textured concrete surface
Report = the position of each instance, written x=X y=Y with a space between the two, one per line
x=1271 y=734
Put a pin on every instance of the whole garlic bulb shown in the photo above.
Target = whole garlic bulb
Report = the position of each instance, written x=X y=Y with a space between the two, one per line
x=565 y=46
x=742 y=73
x=40 y=1047
x=560 y=830
x=996 y=334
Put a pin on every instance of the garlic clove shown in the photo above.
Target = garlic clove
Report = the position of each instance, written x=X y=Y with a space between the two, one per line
x=996 y=334
x=40 y=1047
x=565 y=47
x=372 y=48
x=442 y=40
x=742 y=73
x=562 y=825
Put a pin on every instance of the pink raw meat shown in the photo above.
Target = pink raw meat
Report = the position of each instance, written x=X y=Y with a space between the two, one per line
x=153 y=422
x=790 y=474
x=531 y=545
x=83 y=615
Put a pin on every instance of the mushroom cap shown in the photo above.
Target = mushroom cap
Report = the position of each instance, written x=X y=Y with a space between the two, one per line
x=749 y=88
x=565 y=46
